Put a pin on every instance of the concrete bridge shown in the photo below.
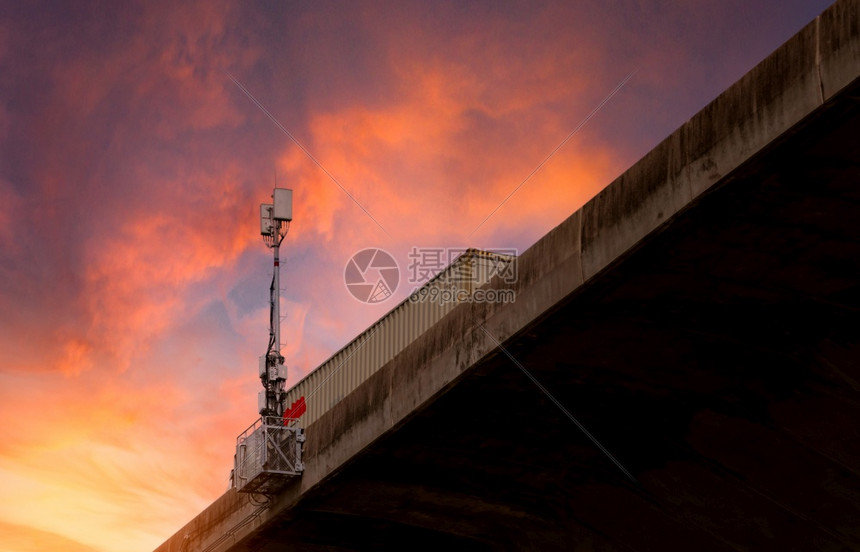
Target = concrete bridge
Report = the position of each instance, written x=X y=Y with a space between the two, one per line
x=698 y=317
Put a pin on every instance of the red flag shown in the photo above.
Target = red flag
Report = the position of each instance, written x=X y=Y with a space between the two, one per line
x=296 y=410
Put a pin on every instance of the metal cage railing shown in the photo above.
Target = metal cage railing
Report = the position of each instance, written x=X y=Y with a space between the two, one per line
x=268 y=455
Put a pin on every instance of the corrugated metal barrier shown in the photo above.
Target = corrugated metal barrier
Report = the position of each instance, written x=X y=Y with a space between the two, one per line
x=348 y=368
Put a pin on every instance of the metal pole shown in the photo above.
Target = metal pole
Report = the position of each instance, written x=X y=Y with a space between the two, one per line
x=276 y=300
x=274 y=227
x=274 y=360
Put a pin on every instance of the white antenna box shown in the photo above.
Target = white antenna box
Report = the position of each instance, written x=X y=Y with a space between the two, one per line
x=283 y=204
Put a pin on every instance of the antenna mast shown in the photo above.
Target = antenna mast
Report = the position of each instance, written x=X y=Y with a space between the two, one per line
x=269 y=452
x=275 y=220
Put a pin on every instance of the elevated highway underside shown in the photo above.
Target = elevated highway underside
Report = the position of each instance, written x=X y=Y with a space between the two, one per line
x=699 y=317
x=719 y=363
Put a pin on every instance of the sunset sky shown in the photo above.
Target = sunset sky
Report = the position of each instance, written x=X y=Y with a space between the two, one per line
x=133 y=280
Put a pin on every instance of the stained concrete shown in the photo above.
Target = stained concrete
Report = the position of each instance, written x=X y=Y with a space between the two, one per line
x=697 y=316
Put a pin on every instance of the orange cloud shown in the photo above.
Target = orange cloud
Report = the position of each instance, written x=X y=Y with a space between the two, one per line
x=417 y=155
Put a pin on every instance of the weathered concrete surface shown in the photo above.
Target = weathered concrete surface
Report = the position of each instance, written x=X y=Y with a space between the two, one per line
x=610 y=312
